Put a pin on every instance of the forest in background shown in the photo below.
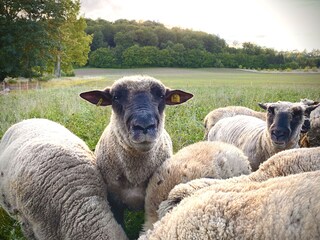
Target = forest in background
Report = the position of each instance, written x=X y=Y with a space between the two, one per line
x=125 y=43
x=43 y=39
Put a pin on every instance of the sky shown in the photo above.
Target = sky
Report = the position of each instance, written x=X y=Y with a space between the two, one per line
x=284 y=25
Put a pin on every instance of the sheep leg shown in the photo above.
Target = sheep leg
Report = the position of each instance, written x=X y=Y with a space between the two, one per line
x=117 y=209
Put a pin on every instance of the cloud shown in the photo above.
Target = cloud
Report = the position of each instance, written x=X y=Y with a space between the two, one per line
x=100 y=8
x=283 y=25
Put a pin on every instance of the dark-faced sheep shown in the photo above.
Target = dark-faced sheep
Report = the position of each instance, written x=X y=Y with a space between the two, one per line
x=50 y=184
x=260 y=139
x=311 y=135
x=135 y=143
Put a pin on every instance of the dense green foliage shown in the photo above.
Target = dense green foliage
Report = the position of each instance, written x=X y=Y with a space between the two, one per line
x=38 y=37
x=47 y=37
x=212 y=88
x=126 y=43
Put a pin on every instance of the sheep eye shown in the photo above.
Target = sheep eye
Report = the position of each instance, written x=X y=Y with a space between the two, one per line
x=116 y=98
x=157 y=92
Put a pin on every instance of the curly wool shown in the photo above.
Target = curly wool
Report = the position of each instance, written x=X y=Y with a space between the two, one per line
x=216 y=160
x=288 y=162
x=279 y=208
x=49 y=183
x=230 y=111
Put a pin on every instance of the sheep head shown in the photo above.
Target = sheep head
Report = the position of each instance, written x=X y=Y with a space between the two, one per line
x=284 y=121
x=138 y=104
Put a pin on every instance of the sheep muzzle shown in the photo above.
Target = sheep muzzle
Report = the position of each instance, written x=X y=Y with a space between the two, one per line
x=143 y=130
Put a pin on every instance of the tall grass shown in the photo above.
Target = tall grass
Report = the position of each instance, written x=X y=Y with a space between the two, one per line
x=59 y=101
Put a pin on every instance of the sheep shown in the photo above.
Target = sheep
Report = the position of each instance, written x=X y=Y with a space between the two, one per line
x=314 y=132
x=134 y=143
x=284 y=163
x=260 y=139
x=215 y=115
x=50 y=184
x=279 y=208
x=202 y=159
x=311 y=137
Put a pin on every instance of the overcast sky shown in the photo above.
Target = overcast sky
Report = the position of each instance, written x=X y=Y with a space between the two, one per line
x=278 y=24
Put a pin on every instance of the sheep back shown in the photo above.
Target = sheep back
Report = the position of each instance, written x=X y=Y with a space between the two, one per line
x=279 y=208
x=203 y=159
x=215 y=115
x=288 y=162
x=49 y=183
x=248 y=134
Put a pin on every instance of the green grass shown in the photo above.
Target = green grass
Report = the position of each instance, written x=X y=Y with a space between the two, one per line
x=59 y=100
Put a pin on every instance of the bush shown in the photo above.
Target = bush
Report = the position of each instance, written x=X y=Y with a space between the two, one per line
x=102 y=58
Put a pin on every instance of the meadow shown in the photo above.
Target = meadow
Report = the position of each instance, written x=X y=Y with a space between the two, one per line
x=59 y=101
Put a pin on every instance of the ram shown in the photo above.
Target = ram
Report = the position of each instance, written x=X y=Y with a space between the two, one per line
x=135 y=143
x=50 y=184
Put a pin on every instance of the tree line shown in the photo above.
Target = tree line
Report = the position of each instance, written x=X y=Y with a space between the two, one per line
x=125 y=43
x=48 y=37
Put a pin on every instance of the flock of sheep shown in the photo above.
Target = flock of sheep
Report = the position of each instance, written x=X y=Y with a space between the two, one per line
x=256 y=175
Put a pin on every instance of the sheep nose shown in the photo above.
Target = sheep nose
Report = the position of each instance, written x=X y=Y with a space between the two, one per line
x=280 y=133
x=144 y=128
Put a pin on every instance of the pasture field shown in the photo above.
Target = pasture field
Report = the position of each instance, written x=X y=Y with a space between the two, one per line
x=59 y=101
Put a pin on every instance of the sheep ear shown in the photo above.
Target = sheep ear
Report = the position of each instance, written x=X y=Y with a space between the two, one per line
x=174 y=97
x=263 y=105
x=99 y=98
x=309 y=109
x=309 y=102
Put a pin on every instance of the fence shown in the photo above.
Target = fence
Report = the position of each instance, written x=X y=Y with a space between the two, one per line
x=20 y=86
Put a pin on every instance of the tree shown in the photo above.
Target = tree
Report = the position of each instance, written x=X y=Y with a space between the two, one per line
x=73 y=42
x=103 y=58
x=97 y=41
x=77 y=45
x=38 y=35
x=25 y=40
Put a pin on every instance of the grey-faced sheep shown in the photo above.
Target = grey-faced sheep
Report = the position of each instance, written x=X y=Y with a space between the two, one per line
x=50 y=184
x=288 y=162
x=215 y=115
x=134 y=143
x=260 y=139
x=279 y=208
x=203 y=159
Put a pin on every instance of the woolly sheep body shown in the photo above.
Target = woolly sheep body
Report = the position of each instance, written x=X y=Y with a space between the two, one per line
x=288 y=162
x=203 y=159
x=49 y=182
x=279 y=208
x=248 y=133
x=135 y=143
x=215 y=115
x=260 y=139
